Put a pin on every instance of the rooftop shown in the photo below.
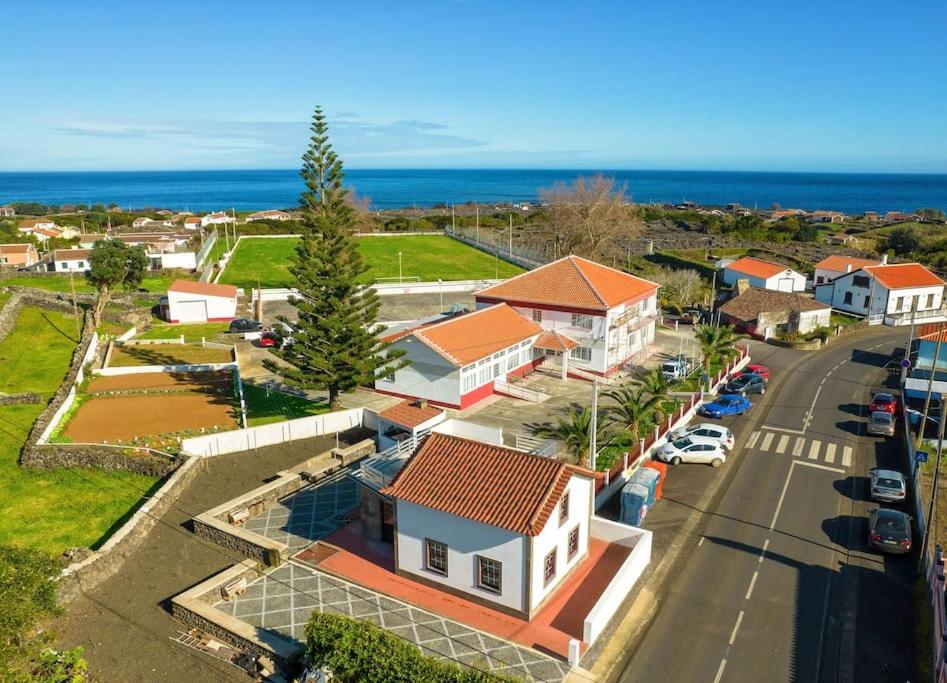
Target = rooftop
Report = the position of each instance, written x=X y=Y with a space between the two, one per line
x=757 y=268
x=205 y=288
x=839 y=263
x=932 y=332
x=469 y=337
x=71 y=254
x=754 y=301
x=17 y=248
x=902 y=275
x=410 y=413
x=555 y=341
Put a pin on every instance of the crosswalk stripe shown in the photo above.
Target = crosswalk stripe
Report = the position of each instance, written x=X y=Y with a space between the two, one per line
x=814 y=447
x=847 y=456
x=830 y=453
x=754 y=437
x=797 y=447
x=767 y=440
x=783 y=442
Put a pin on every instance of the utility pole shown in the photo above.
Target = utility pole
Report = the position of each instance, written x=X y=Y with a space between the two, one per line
x=453 y=224
x=593 y=426
x=930 y=386
x=511 y=234
x=713 y=295
x=440 y=291
x=478 y=221
x=931 y=508
x=400 y=278
x=907 y=349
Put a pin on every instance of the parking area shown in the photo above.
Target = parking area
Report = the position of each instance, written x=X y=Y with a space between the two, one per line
x=394 y=307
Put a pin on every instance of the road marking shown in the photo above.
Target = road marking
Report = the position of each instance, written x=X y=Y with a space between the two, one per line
x=820 y=467
x=723 y=665
x=847 y=456
x=830 y=453
x=749 y=591
x=767 y=440
x=754 y=437
x=784 y=429
x=814 y=449
x=736 y=627
x=797 y=447
x=765 y=546
x=700 y=542
x=783 y=443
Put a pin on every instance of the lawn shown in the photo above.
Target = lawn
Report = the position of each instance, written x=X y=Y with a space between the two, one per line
x=192 y=332
x=263 y=409
x=35 y=355
x=167 y=354
x=60 y=283
x=425 y=257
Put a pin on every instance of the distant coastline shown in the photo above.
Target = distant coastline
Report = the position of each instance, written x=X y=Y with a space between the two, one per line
x=851 y=193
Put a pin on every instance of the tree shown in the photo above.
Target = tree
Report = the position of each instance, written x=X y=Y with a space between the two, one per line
x=656 y=384
x=717 y=343
x=680 y=288
x=574 y=431
x=931 y=214
x=335 y=347
x=112 y=264
x=630 y=406
x=904 y=240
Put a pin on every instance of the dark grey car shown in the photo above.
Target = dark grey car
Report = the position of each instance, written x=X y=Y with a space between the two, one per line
x=747 y=384
x=881 y=424
x=889 y=531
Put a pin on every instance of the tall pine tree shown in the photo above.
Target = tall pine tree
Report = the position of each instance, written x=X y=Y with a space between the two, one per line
x=335 y=347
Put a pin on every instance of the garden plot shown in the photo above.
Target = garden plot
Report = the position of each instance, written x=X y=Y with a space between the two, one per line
x=167 y=354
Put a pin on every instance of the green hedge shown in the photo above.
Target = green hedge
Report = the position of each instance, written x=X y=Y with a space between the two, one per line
x=706 y=270
x=359 y=652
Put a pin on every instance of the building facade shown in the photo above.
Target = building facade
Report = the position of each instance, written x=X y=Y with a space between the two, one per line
x=189 y=301
x=18 y=255
x=836 y=265
x=763 y=275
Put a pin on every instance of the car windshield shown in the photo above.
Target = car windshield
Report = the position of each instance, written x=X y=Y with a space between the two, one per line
x=883 y=398
x=670 y=367
x=682 y=443
x=889 y=483
x=742 y=379
x=889 y=521
x=727 y=400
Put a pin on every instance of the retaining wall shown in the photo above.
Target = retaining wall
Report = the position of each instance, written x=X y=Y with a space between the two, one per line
x=19 y=399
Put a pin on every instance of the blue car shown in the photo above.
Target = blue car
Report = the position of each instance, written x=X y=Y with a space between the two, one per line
x=727 y=404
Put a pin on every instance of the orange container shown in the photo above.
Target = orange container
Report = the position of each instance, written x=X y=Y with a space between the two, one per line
x=662 y=470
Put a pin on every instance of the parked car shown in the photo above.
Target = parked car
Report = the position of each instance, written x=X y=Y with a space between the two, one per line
x=245 y=325
x=889 y=531
x=707 y=430
x=270 y=340
x=887 y=486
x=752 y=369
x=699 y=449
x=882 y=402
x=726 y=404
x=881 y=423
x=746 y=384
x=690 y=317
x=675 y=369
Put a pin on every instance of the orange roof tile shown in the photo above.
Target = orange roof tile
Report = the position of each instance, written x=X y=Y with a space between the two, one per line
x=205 y=288
x=71 y=254
x=931 y=332
x=838 y=263
x=555 y=341
x=902 y=275
x=469 y=337
x=757 y=268
x=490 y=484
x=18 y=248
x=410 y=413
x=571 y=281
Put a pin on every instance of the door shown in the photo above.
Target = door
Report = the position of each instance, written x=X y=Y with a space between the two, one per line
x=784 y=284
x=192 y=311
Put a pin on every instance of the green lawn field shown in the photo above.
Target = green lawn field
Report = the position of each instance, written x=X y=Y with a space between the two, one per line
x=192 y=332
x=263 y=408
x=53 y=510
x=425 y=257
x=60 y=283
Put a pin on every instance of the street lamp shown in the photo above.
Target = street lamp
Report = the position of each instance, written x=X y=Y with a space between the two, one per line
x=400 y=279
x=440 y=291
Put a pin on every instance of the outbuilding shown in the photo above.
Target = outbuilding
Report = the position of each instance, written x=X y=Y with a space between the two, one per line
x=189 y=301
x=764 y=275
x=766 y=313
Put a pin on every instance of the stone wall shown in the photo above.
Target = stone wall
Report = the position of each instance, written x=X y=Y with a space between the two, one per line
x=52 y=456
x=17 y=399
x=255 y=546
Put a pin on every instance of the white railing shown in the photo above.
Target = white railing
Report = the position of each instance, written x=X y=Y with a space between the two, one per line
x=501 y=387
x=534 y=444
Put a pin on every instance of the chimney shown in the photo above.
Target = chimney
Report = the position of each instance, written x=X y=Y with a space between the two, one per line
x=884 y=259
x=848 y=267
x=742 y=286
x=422 y=404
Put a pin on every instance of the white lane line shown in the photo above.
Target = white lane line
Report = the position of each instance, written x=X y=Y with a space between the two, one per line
x=830 y=453
x=798 y=446
x=763 y=552
x=749 y=591
x=820 y=467
x=754 y=437
x=736 y=627
x=784 y=429
x=767 y=440
x=700 y=542
x=814 y=449
x=847 y=456
x=783 y=443
x=782 y=495
x=723 y=665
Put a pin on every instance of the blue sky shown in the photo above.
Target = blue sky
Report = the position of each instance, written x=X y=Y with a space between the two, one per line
x=831 y=85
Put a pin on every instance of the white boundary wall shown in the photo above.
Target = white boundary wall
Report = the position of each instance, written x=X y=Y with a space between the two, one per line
x=278 y=432
x=391 y=289
x=140 y=369
x=639 y=540
x=71 y=396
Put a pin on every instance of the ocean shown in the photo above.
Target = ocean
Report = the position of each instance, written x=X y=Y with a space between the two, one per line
x=388 y=189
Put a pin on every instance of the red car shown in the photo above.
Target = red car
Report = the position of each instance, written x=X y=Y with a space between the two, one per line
x=753 y=369
x=270 y=340
x=883 y=403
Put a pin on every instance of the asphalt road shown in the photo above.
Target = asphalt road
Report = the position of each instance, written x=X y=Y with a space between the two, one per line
x=781 y=585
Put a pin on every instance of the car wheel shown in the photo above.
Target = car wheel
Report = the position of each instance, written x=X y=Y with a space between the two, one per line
x=676 y=460
x=762 y=391
x=716 y=462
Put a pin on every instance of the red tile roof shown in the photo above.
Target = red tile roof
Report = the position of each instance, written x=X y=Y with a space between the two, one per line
x=472 y=336
x=490 y=484
x=17 y=248
x=837 y=262
x=555 y=341
x=204 y=288
x=71 y=254
x=757 y=268
x=410 y=413
x=903 y=275
x=571 y=281
x=931 y=332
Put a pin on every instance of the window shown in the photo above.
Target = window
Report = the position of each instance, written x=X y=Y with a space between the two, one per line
x=573 y=542
x=549 y=567
x=436 y=556
x=899 y=303
x=860 y=281
x=390 y=378
x=489 y=574
x=470 y=381
x=848 y=298
x=581 y=353
x=564 y=508
x=537 y=315
x=818 y=280
x=582 y=320
x=511 y=360
x=930 y=301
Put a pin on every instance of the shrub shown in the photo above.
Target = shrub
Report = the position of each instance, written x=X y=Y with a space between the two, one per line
x=359 y=652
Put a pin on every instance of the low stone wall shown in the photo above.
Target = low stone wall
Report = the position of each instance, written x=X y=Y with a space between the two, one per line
x=52 y=456
x=17 y=399
x=255 y=546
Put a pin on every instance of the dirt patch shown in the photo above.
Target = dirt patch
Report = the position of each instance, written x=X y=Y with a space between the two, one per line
x=167 y=354
x=183 y=381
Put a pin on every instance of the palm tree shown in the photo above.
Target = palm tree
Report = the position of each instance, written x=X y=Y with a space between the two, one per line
x=717 y=343
x=630 y=407
x=656 y=384
x=573 y=430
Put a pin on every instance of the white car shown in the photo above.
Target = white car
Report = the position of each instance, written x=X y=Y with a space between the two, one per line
x=887 y=486
x=708 y=429
x=698 y=449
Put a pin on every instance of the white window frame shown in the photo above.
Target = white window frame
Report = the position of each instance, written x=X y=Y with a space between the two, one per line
x=583 y=320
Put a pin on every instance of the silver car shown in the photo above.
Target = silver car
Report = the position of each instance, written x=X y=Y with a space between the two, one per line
x=881 y=424
x=887 y=486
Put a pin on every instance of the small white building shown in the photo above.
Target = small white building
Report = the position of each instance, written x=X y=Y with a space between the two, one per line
x=836 y=265
x=192 y=223
x=764 y=275
x=7 y=212
x=149 y=223
x=493 y=525
x=887 y=294
x=71 y=260
x=215 y=218
x=270 y=214
x=766 y=313
x=405 y=421
x=190 y=301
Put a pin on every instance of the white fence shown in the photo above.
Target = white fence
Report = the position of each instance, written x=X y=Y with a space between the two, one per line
x=71 y=396
x=138 y=369
x=278 y=432
x=390 y=289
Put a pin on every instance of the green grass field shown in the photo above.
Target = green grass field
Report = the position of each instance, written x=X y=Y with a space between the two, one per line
x=60 y=283
x=53 y=510
x=263 y=409
x=192 y=332
x=166 y=354
x=427 y=257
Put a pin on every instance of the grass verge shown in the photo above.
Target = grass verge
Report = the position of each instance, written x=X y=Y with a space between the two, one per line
x=263 y=409
x=192 y=332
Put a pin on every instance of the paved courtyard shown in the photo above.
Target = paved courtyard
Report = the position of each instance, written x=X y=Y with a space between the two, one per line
x=283 y=600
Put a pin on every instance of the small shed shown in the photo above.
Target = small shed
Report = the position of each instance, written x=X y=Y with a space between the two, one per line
x=189 y=301
x=406 y=420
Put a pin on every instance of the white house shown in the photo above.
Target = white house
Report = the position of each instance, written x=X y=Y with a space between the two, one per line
x=145 y=222
x=602 y=318
x=40 y=228
x=459 y=361
x=71 y=260
x=192 y=223
x=887 y=294
x=270 y=214
x=766 y=312
x=405 y=421
x=7 y=211
x=764 y=275
x=190 y=301
x=493 y=525
x=835 y=265
x=215 y=218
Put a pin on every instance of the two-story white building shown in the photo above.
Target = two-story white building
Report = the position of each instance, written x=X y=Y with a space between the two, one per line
x=598 y=318
x=837 y=265
x=763 y=275
x=493 y=525
x=892 y=294
x=71 y=260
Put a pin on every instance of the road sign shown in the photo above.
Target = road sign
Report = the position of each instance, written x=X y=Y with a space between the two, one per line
x=905 y=363
x=920 y=456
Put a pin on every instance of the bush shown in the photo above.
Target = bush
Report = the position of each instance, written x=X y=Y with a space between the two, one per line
x=356 y=651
